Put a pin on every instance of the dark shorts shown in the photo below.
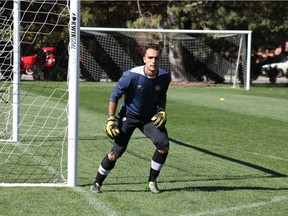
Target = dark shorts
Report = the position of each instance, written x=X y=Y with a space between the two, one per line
x=128 y=124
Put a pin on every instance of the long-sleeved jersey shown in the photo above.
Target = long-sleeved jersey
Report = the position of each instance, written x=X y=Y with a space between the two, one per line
x=141 y=93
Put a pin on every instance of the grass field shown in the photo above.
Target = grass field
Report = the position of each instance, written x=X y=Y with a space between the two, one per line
x=227 y=157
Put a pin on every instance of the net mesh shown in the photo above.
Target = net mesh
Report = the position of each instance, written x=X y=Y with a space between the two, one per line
x=188 y=57
x=40 y=154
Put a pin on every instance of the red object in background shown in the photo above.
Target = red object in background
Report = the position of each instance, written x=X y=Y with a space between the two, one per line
x=50 y=56
x=46 y=58
x=27 y=62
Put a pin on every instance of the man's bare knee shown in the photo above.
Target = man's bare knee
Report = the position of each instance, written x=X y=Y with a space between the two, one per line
x=162 y=151
x=112 y=156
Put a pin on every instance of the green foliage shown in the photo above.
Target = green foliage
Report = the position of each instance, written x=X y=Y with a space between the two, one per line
x=266 y=19
x=43 y=15
x=145 y=22
x=262 y=17
x=87 y=16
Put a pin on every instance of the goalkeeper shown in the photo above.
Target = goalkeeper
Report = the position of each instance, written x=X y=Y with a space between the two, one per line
x=144 y=89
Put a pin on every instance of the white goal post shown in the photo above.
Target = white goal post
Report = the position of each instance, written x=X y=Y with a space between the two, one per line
x=190 y=55
x=39 y=87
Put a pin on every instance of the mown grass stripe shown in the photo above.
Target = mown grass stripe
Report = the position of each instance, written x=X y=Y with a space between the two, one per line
x=242 y=207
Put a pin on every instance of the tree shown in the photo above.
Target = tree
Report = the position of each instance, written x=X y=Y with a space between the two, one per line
x=267 y=19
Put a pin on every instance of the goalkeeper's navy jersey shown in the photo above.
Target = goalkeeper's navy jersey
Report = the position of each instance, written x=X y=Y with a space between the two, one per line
x=141 y=94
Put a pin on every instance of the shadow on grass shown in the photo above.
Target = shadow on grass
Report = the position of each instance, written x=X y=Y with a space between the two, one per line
x=223 y=188
x=270 y=85
x=254 y=166
x=187 y=188
x=127 y=179
x=123 y=186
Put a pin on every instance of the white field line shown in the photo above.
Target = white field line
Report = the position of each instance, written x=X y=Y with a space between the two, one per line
x=95 y=203
x=252 y=153
x=242 y=207
x=267 y=156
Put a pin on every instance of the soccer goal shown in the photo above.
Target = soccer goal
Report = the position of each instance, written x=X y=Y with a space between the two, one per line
x=39 y=72
x=208 y=56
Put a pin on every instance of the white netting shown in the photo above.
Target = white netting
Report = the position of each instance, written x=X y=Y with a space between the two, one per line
x=190 y=57
x=40 y=155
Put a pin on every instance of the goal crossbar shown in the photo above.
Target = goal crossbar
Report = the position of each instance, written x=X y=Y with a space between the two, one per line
x=167 y=30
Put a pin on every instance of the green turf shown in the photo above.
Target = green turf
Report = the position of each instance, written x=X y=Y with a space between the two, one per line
x=227 y=157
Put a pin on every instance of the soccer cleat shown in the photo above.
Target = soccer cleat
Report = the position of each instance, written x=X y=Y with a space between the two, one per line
x=95 y=188
x=153 y=187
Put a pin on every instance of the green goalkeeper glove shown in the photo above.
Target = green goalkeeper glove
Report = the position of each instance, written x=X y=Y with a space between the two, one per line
x=160 y=118
x=112 y=129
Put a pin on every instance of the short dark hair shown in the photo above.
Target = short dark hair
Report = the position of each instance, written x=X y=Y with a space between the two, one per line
x=152 y=46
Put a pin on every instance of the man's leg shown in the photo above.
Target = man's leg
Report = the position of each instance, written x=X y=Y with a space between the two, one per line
x=104 y=169
x=127 y=127
x=157 y=163
x=159 y=137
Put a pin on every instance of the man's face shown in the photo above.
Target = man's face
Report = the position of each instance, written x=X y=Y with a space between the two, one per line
x=152 y=61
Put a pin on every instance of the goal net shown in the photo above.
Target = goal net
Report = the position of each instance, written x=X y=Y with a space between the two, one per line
x=189 y=55
x=35 y=101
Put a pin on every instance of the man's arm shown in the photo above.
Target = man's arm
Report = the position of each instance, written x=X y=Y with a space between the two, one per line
x=119 y=90
x=112 y=108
